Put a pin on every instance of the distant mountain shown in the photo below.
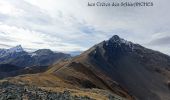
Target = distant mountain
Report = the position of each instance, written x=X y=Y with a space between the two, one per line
x=18 y=48
x=6 y=52
x=18 y=57
x=75 y=53
x=46 y=57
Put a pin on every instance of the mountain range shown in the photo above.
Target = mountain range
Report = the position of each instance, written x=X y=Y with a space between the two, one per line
x=18 y=57
x=116 y=67
x=16 y=61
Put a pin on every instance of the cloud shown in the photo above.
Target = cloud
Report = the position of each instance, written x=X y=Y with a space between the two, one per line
x=161 y=41
x=5 y=46
x=72 y=26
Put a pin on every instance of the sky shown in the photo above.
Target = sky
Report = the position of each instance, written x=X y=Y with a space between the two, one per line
x=70 y=25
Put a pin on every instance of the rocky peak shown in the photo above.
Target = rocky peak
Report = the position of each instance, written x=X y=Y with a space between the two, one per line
x=17 y=48
x=117 y=39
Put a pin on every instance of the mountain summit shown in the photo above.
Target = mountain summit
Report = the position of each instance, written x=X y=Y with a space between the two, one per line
x=117 y=39
x=143 y=72
x=116 y=42
x=17 y=48
x=6 y=52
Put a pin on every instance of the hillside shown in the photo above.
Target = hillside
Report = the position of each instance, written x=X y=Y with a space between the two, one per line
x=143 y=72
x=7 y=70
x=122 y=68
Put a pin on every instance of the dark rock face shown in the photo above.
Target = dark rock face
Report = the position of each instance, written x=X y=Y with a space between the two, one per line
x=137 y=71
x=142 y=71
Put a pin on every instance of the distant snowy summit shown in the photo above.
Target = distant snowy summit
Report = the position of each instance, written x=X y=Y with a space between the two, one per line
x=17 y=48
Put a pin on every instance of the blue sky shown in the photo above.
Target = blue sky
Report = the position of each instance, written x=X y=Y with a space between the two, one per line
x=69 y=25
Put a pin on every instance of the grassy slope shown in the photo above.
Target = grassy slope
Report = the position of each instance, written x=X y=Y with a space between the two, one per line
x=52 y=83
x=75 y=77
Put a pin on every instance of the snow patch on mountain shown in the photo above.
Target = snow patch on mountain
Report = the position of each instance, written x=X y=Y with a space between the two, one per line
x=116 y=39
x=16 y=49
x=33 y=54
